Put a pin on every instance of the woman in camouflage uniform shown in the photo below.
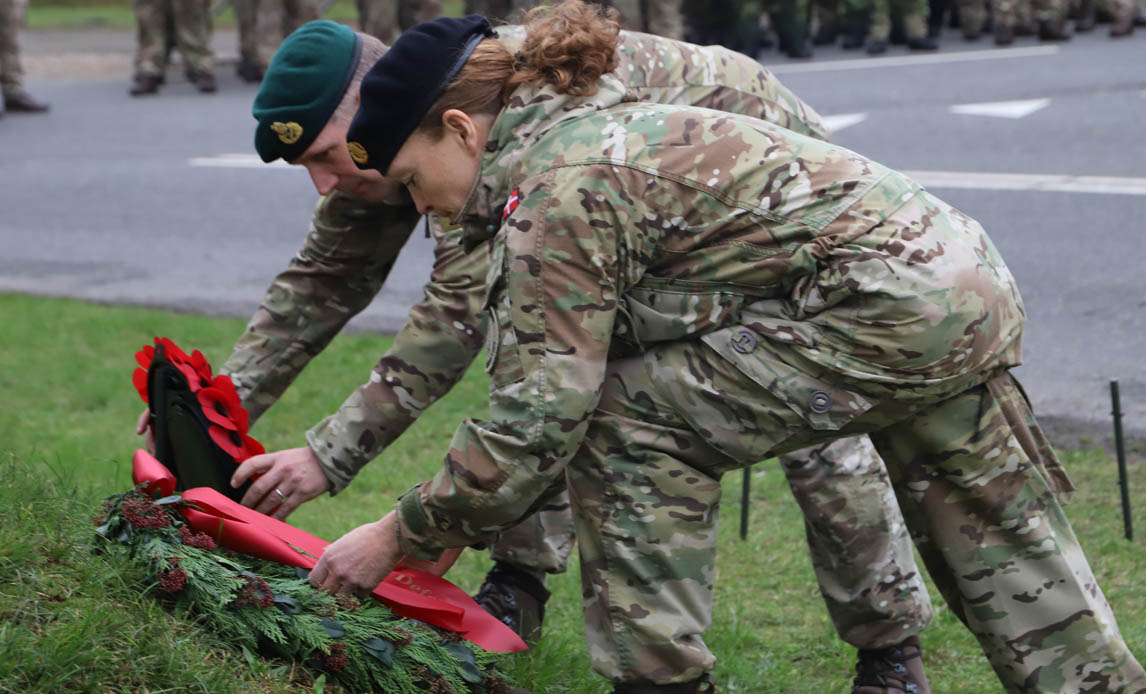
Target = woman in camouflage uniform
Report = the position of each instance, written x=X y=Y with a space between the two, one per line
x=676 y=293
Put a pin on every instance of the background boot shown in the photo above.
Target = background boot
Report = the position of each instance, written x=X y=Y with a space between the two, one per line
x=1053 y=30
x=701 y=685
x=204 y=81
x=142 y=84
x=21 y=101
x=894 y=670
x=516 y=597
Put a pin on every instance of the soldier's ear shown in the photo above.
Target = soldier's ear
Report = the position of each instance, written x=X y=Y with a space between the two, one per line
x=460 y=124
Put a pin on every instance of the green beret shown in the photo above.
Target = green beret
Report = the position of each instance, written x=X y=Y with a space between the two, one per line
x=304 y=83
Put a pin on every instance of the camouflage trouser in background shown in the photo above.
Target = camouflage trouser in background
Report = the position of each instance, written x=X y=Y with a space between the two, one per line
x=263 y=24
x=860 y=547
x=503 y=10
x=1011 y=13
x=385 y=19
x=912 y=12
x=192 y=34
x=972 y=16
x=975 y=479
x=660 y=17
x=11 y=73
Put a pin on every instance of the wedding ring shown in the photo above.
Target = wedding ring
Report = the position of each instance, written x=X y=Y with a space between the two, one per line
x=282 y=497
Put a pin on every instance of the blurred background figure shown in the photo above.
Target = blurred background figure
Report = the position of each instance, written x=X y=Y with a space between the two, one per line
x=735 y=24
x=163 y=24
x=15 y=98
x=262 y=26
x=836 y=18
x=385 y=19
x=500 y=10
x=660 y=17
x=1018 y=17
x=908 y=15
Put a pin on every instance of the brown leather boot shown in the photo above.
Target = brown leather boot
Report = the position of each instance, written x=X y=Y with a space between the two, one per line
x=894 y=670
x=701 y=685
x=142 y=84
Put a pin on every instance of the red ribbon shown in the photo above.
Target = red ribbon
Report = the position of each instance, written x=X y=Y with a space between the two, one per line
x=408 y=592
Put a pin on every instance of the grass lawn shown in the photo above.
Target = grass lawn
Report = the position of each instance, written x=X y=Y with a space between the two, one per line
x=71 y=621
x=105 y=14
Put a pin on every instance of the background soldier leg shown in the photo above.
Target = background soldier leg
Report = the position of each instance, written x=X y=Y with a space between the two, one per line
x=860 y=547
x=11 y=71
x=150 y=48
x=246 y=17
x=193 y=38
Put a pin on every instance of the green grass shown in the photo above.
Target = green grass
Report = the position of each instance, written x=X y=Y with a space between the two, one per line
x=101 y=14
x=69 y=621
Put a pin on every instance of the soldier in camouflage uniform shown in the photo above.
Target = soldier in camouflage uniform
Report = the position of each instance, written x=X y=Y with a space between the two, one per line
x=262 y=25
x=862 y=557
x=675 y=293
x=14 y=97
x=385 y=19
x=1050 y=16
x=190 y=23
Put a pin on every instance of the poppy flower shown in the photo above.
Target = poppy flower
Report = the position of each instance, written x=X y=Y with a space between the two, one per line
x=139 y=380
x=221 y=405
x=202 y=368
x=144 y=356
x=172 y=351
x=238 y=446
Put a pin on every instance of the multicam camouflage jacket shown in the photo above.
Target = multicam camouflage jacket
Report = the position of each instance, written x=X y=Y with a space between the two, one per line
x=352 y=246
x=622 y=227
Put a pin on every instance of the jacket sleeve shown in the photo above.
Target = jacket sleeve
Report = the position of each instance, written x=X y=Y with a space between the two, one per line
x=442 y=335
x=552 y=306
x=340 y=268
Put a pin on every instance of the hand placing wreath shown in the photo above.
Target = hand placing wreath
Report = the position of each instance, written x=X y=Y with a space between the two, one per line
x=284 y=480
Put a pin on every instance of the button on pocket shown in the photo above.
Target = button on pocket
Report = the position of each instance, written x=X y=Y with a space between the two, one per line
x=743 y=341
x=820 y=402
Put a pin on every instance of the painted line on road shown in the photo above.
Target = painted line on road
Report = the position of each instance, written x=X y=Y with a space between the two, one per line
x=237 y=161
x=1047 y=183
x=1002 y=109
x=908 y=60
x=838 y=122
x=1055 y=183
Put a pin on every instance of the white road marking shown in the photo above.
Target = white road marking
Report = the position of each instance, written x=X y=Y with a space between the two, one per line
x=1057 y=183
x=844 y=120
x=908 y=60
x=1002 y=109
x=237 y=161
x=1049 y=183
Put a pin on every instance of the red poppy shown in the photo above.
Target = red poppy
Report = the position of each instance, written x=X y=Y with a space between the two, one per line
x=144 y=356
x=238 y=446
x=199 y=363
x=221 y=405
x=139 y=380
x=172 y=351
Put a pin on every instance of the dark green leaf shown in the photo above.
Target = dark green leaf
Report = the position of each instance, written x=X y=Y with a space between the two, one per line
x=333 y=628
x=302 y=573
x=466 y=662
x=319 y=685
x=288 y=605
x=174 y=498
x=381 y=649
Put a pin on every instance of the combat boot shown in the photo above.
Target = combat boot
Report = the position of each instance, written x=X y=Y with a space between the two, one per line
x=23 y=102
x=701 y=685
x=516 y=597
x=204 y=81
x=1123 y=26
x=145 y=84
x=1004 y=35
x=1053 y=30
x=248 y=71
x=894 y=670
x=876 y=47
x=925 y=43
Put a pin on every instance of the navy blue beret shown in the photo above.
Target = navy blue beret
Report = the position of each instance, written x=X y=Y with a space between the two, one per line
x=402 y=86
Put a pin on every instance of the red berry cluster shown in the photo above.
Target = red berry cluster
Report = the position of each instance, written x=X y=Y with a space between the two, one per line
x=196 y=539
x=336 y=660
x=140 y=512
x=172 y=580
x=402 y=637
x=255 y=594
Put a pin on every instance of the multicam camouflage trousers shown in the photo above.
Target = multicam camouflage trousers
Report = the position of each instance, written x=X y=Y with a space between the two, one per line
x=385 y=19
x=860 y=548
x=190 y=32
x=263 y=24
x=11 y=73
x=975 y=478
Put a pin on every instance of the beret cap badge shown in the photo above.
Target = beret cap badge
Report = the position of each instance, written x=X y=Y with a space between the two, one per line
x=289 y=133
x=357 y=152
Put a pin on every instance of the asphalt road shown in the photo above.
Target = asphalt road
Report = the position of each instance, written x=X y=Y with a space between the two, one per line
x=159 y=201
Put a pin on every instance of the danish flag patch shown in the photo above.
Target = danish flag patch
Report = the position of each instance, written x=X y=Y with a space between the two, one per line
x=511 y=204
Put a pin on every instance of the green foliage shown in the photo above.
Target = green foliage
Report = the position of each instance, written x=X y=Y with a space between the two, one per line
x=270 y=608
